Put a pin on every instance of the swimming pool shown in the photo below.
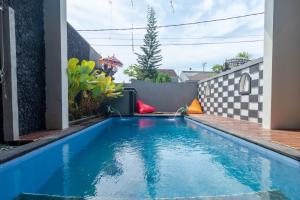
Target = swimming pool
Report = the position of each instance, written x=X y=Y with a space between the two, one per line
x=142 y=158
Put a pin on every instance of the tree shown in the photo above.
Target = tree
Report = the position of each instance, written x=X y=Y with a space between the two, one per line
x=163 y=78
x=244 y=55
x=134 y=71
x=150 y=59
x=218 y=68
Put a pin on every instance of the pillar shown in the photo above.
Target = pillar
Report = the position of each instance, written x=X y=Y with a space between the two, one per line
x=281 y=99
x=9 y=82
x=55 y=22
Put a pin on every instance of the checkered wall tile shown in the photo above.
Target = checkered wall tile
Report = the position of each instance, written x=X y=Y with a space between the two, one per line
x=224 y=98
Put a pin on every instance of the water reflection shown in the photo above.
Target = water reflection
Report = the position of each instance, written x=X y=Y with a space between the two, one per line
x=156 y=158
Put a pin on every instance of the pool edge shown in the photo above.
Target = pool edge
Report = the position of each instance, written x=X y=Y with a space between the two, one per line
x=280 y=149
x=35 y=145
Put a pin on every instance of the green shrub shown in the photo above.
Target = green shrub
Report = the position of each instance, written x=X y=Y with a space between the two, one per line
x=162 y=78
x=88 y=88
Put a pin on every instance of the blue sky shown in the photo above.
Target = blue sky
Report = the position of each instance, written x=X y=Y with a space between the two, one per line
x=89 y=14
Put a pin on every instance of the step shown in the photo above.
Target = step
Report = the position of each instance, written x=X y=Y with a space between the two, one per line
x=30 y=196
x=268 y=195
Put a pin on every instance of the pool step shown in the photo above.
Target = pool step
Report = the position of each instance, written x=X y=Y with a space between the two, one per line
x=269 y=195
x=29 y=196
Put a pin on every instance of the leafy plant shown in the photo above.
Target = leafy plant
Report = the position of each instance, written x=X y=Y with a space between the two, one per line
x=162 y=78
x=88 y=88
x=244 y=55
x=218 y=68
x=183 y=110
x=134 y=71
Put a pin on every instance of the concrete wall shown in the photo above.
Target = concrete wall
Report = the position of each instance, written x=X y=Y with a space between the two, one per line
x=224 y=98
x=282 y=66
x=1 y=63
x=56 y=48
x=78 y=47
x=166 y=97
x=30 y=50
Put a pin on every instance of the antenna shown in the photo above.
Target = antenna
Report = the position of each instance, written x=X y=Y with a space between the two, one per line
x=203 y=65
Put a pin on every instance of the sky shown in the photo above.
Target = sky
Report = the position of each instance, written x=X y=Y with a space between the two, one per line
x=95 y=14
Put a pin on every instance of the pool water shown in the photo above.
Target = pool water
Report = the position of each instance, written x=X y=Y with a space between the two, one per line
x=140 y=158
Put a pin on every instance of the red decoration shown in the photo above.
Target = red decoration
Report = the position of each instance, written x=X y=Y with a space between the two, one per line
x=144 y=108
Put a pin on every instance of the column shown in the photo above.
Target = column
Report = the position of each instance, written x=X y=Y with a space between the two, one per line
x=281 y=99
x=56 y=64
x=9 y=82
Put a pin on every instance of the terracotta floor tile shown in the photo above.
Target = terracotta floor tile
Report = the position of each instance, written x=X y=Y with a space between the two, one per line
x=284 y=137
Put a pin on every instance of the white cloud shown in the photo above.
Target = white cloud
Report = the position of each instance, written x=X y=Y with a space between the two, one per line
x=101 y=14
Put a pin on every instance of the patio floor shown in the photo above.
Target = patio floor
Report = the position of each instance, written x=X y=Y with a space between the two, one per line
x=286 y=142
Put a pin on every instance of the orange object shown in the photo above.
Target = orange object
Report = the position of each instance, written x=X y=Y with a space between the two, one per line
x=195 y=107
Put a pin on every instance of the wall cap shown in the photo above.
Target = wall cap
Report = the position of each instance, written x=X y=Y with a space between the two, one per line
x=246 y=65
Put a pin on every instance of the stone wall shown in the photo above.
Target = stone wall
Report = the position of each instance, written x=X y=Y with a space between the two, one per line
x=78 y=47
x=224 y=98
x=30 y=51
x=1 y=117
x=30 y=63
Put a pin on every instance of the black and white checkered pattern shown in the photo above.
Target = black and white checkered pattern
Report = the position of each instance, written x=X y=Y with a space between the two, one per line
x=224 y=98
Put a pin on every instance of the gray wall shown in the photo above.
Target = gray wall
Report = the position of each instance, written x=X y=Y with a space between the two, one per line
x=225 y=100
x=79 y=48
x=30 y=52
x=282 y=66
x=166 y=97
x=1 y=117
x=30 y=49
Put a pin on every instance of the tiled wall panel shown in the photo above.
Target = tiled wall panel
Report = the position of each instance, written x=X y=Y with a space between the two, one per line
x=224 y=98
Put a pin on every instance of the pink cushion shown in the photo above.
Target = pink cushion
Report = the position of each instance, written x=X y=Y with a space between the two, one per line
x=144 y=108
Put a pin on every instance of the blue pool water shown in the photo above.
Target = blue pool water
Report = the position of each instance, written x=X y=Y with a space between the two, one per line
x=142 y=158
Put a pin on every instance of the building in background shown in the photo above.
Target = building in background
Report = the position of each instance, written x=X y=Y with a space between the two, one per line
x=194 y=76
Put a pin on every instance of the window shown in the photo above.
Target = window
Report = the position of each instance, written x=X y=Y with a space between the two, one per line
x=207 y=91
x=245 y=84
